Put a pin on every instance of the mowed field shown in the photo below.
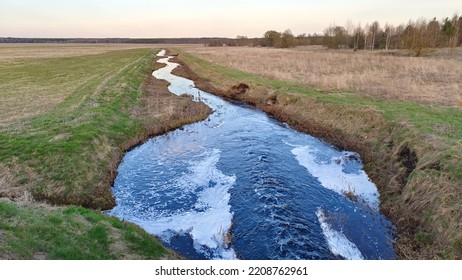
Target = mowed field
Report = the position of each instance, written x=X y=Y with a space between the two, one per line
x=402 y=114
x=35 y=78
x=67 y=114
x=57 y=110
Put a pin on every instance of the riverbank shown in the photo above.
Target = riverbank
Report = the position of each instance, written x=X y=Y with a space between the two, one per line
x=69 y=119
x=411 y=151
x=236 y=186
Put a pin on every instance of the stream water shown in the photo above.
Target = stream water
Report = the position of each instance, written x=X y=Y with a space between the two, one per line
x=243 y=185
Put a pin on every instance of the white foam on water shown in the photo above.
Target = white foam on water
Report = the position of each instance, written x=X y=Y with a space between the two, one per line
x=337 y=241
x=211 y=218
x=332 y=176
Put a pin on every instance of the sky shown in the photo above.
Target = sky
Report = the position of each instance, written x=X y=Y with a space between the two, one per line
x=203 y=18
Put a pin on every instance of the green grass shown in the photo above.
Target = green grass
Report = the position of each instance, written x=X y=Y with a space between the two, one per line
x=66 y=146
x=72 y=233
x=64 y=120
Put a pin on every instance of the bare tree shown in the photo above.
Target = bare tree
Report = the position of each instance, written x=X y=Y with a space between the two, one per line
x=389 y=31
x=271 y=38
x=357 y=35
x=242 y=41
x=396 y=40
x=334 y=36
x=374 y=29
x=287 y=39
x=303 y=39
x=457 y=26
x=350 y=30
x=415 y=36
x=366 y=35
x=433 y=33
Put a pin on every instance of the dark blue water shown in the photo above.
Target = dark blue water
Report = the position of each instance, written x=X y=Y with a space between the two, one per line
x=243 y=185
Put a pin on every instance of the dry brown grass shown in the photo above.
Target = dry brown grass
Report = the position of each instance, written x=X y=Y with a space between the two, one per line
x=425 y=80
x=411 y=152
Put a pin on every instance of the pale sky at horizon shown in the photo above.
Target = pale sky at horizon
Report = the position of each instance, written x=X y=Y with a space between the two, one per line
x=202 y=18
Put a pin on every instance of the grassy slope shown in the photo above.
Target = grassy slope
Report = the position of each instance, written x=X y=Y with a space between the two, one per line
x=74 y=117
x=412 y=151
x=56 y=151
x=41 y=232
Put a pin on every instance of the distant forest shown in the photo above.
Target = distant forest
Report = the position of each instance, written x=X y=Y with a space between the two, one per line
x=414 y=36
x=204 y=40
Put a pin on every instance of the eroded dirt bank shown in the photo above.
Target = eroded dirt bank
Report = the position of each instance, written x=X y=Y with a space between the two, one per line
x=390 y=159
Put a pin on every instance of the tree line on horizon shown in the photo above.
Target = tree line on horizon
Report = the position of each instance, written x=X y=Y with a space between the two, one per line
x=414 y=36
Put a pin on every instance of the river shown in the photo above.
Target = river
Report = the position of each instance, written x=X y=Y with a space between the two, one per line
x=242 y=185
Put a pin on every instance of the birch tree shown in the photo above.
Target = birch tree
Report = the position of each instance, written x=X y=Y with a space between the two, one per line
x=374 y=29
x=357 y=36
x=389 y=31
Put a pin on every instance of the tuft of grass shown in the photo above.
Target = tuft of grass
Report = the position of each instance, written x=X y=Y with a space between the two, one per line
x=458 y=245
x=423 y=237
x=7 y=210
x=140 y=242
x=89 y=215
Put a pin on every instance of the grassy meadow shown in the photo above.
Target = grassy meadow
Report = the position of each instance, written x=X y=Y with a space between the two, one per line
x=402 y=114
x=61 y=118
x=67 y=114
x=384 y=75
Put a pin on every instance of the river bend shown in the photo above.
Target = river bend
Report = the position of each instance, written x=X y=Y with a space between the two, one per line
x=243 y=185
